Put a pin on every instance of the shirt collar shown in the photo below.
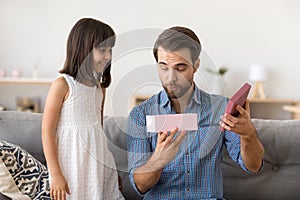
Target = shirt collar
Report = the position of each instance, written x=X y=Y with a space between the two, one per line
x=164 y=98
x=196 y=95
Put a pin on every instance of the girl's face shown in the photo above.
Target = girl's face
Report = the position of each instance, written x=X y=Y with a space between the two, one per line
x=101 y=56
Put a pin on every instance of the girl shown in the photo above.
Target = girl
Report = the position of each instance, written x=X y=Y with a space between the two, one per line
x=74 y=143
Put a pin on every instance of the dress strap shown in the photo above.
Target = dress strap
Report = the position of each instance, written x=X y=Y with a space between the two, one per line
x=70 y=81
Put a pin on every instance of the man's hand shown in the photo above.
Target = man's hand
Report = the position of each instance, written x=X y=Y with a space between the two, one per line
x=252 y=150
x=242 y=124
x=166 y=149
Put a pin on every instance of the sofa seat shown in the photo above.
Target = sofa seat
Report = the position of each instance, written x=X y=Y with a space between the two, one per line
x=278 y=179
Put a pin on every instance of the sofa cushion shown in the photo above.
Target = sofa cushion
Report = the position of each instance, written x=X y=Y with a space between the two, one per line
x=21 y=175
x=115 y=129
x=23 y=129
x=279 y=178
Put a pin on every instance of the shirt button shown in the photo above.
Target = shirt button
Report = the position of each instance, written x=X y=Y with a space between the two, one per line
x=188 y=172
x=188 y=189
x=187 y=153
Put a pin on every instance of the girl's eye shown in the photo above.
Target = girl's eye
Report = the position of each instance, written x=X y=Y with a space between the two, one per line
x=101 y=50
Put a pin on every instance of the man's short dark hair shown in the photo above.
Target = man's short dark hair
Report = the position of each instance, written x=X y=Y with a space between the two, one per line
x=176 y=38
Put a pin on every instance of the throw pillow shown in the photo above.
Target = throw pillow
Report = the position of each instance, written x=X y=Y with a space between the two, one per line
x=21 y=175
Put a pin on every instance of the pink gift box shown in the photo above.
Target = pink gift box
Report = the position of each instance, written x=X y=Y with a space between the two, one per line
x=160 y=123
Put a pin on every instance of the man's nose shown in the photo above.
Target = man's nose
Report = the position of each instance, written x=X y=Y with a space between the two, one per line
x=172 y=75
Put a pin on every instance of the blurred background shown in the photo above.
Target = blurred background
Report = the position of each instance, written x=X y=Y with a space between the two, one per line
x=235 y=34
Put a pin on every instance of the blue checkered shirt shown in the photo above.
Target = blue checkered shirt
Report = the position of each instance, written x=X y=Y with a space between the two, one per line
x=195 y=172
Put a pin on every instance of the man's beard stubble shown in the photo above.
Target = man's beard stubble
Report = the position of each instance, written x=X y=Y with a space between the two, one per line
x=181 y=93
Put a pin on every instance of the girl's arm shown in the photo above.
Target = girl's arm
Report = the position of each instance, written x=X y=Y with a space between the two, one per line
x=57 y=94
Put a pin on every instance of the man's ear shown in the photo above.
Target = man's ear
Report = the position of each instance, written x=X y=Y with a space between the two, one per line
x=196 y=65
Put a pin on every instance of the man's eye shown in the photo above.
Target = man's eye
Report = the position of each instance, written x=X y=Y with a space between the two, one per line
x=180 y=69
x=163 y=67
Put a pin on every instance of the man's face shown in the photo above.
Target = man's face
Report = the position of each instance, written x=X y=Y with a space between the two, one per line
x=176 y=71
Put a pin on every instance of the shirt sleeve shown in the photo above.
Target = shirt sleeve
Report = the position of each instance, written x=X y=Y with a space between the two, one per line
x=233 y=145
x=139 y=147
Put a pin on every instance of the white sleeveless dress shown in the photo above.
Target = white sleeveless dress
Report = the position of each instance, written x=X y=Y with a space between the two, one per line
x=85 y=159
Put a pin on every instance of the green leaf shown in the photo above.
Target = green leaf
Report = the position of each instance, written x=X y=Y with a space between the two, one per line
x=221 y=71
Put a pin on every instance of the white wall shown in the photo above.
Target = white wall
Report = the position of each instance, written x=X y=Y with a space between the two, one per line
x=233 y=32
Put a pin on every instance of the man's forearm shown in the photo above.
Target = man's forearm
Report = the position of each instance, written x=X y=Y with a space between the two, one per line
x=252 y=152
x=146 y=176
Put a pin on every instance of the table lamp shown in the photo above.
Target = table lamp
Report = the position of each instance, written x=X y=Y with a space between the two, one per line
x=258 y=74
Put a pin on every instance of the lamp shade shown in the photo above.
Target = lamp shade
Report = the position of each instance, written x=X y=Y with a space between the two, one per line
x=258 y=73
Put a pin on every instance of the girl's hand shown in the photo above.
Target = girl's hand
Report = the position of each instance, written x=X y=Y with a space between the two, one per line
x=59 y=187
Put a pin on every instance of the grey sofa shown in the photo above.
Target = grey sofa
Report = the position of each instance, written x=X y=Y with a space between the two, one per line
x=279 y=179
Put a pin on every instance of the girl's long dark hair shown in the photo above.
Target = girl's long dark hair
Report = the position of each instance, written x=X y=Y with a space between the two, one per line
x=85 y=35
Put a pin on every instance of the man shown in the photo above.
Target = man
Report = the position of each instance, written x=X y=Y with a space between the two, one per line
x=187 y=164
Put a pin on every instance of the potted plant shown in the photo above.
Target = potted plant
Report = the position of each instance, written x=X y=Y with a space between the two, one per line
x=218 y=86
x=222 y=70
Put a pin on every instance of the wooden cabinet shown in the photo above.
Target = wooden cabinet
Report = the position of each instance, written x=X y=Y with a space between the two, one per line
x=24 y=80
x=269 y=108
x=137 y=99
x=294 y=109
x=14 y=89
x=272 y=108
